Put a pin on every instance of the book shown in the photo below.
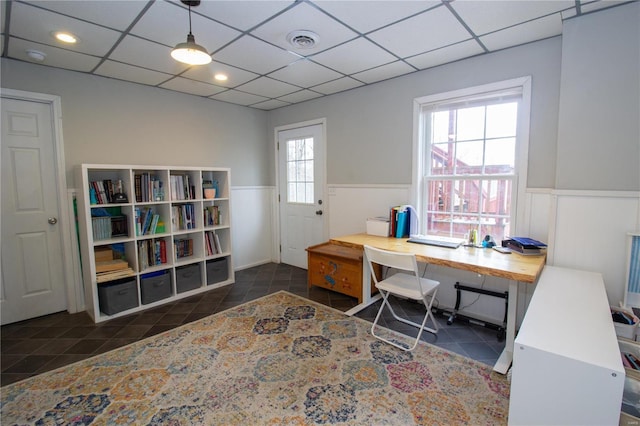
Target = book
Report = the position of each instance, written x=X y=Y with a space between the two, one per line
x=146 y=221
x=114 y=275
x=217 y=241
x=111 y=265
x=402 y=227
x=138 y=187
x=154 y=224
x=525 y=245
x=523 y=250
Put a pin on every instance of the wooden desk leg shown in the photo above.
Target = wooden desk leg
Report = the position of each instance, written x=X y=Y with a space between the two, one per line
x=504 y=362
x=367 y=299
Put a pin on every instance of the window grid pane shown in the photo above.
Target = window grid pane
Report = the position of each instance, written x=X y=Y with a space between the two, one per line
x=300 y=177
x=467 y=147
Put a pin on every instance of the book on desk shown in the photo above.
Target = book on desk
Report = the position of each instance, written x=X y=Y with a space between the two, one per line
x=525 y=246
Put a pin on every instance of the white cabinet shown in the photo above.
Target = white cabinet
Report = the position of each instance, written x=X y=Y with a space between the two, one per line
x=169 y=234
x=567 y=367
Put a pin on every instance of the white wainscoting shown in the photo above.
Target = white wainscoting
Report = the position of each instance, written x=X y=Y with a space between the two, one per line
x=590 y=233
x=584 y=229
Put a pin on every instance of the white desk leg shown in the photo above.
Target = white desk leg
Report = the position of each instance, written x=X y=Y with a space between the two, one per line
x=367 y=299
x=504 y=362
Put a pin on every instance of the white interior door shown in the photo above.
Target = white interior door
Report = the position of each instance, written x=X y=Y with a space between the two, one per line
x=32 y=281
x=301 y=157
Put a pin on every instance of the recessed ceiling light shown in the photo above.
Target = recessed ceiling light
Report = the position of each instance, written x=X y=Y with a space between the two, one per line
x=65 y=37
x=221 y=77
x=36 y=55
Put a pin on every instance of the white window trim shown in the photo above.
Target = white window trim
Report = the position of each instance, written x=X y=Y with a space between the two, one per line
x=522 y=140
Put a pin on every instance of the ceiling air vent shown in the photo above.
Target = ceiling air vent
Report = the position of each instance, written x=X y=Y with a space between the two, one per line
x=302 y=39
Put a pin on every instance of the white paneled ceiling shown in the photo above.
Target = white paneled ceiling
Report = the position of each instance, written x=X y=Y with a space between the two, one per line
x=359 y=42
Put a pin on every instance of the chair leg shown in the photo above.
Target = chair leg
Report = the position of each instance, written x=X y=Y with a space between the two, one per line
x=422 y=327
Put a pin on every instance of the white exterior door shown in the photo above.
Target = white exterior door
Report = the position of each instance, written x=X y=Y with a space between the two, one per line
x=33 y=279
x=301 y=157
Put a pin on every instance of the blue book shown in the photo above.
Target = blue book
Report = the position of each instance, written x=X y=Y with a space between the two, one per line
x=402 y=229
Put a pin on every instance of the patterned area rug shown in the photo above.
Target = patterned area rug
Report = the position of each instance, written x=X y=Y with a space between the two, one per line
x=278 y=360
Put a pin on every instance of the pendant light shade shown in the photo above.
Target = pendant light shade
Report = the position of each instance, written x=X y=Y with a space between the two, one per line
x=190 y=53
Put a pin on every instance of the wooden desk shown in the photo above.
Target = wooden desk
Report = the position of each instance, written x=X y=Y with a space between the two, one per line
x=512 y=267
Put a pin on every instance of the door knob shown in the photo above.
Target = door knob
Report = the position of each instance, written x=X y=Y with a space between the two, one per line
x=52 y=221
x=319 y=212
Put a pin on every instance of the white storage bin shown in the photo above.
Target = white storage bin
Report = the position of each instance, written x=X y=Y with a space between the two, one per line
x=628 y=331
x=378 y=226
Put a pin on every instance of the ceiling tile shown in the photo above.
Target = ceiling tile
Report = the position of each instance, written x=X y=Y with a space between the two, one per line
x=193 y=87
x=250 y=14
x=354 y=56
x=524 y=33
x=35 y=24
x=360 y=41
x=146 y=54
x=487 y=16
x=265 y=86
x=447 y=54
x=422 y=33
x=365 y=16
x=237 y=97
x=300 y=96
x=174 y=21
x=304 y=17
x=205 y=73
x=270 y=104
x=131 y=73
x=59 y=58
x=98 y=12
x=601 y=4
x=384 y=72
x=338 y=85
x=305 y=73
x=3 y=13
x=252 y=54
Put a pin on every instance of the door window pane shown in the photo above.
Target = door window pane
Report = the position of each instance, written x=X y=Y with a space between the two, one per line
x=300 y=176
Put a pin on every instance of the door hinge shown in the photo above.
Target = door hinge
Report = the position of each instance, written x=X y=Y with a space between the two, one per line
x=280 y=248
x=278 y=146
x=278 y=197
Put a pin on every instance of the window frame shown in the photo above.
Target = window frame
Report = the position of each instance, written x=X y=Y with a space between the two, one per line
x=422 y=147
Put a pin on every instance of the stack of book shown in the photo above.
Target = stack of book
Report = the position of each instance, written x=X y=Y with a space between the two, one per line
x=151 y=253
x=524 y=245
x=108 y=268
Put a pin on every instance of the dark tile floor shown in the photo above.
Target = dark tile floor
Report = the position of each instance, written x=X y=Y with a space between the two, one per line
x=42 y=344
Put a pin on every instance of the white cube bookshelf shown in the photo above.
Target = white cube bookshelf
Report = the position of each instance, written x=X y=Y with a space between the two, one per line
x=172 y=243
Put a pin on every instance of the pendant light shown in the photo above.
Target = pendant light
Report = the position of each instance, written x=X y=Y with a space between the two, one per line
x=190 y=52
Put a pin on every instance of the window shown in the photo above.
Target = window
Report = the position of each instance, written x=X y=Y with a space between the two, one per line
x=471 y=146
x=300 y=171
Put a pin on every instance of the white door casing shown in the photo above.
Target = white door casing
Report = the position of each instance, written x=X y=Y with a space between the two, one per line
x=302 y=220
x=36 y=246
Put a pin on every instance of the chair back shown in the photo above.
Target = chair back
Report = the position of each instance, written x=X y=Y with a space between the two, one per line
x=404 y=261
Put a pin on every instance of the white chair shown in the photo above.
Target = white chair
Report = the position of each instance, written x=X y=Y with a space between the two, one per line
x=402 y=284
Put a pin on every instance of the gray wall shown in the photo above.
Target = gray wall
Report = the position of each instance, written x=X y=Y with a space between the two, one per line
x=111 y=121
x=599 y=130
x=584 y=114
x=370 y=130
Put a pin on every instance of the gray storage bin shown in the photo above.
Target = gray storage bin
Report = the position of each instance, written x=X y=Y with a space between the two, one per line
x=217 y=270
x=118 y=296
x=188 y=277
x=155 y=286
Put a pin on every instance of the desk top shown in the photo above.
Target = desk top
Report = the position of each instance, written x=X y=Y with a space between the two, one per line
x=479 y=260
